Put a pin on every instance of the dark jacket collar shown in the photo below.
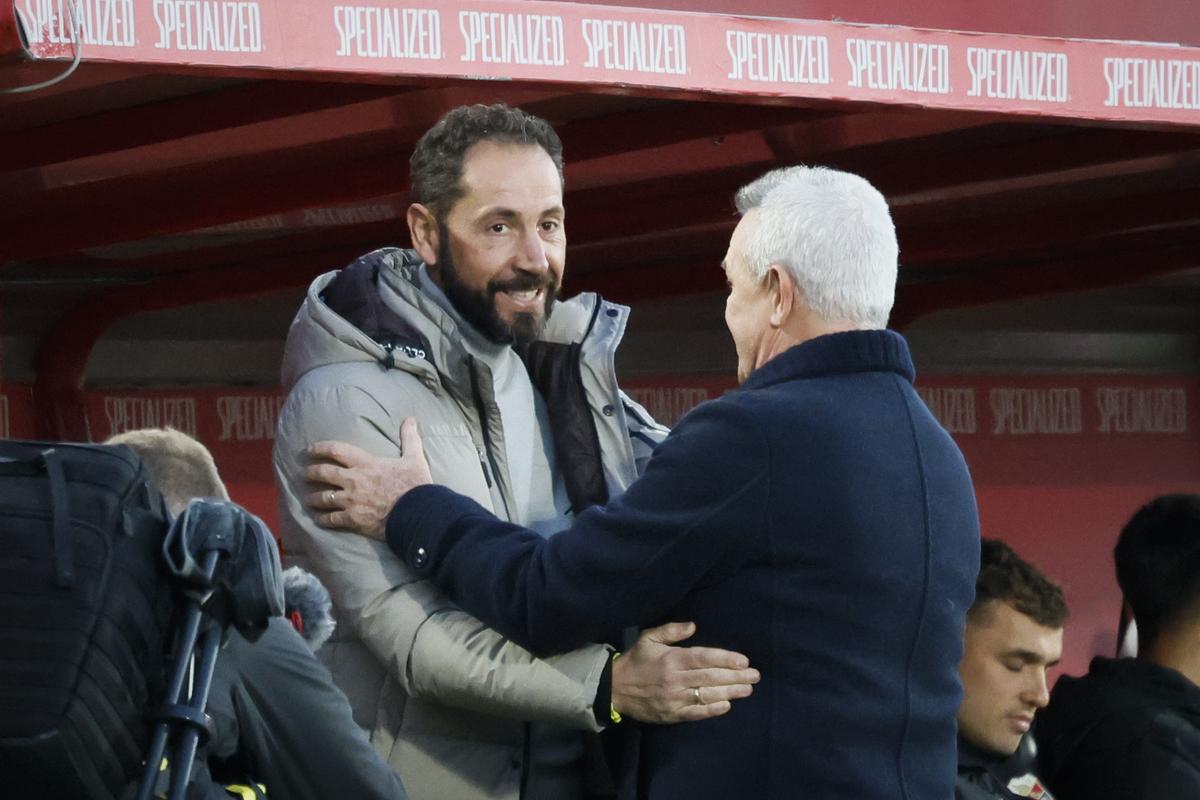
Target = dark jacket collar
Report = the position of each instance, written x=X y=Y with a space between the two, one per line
x=354 y=295
x=837 y=354
x=972 y=757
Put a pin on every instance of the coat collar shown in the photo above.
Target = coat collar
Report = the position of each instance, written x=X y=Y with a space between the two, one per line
x=837 y=354
x=972 y=757
x=381 y=302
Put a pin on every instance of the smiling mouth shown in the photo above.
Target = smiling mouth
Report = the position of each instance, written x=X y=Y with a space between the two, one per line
x=526 y=299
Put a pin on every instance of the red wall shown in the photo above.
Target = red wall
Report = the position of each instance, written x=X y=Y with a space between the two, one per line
x=1059 y=462
x=1059 y=483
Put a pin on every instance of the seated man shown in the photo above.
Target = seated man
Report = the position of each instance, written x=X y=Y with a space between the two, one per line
x=1130 y=728
x=277 y=717
x=1014 y=635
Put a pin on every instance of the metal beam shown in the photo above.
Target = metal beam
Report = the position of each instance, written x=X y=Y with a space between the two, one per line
x=202 y=195
x=672 y=123
x=323 y=173
x=701 y=244
x=1060 y=153
x=657 y=205
x=652 y=281
x=836 y=133
x=92 y=89
x=1039 y=279
x=176 y=118
x=1033 y=231
x=290 y=243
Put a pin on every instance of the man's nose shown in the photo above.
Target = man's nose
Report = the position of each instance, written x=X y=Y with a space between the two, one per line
x=1037 y=692
x=531 y=253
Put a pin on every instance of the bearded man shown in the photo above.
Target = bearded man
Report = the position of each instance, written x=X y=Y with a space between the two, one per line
x=520 y=410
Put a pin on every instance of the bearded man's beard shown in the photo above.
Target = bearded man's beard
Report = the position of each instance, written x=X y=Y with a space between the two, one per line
x=478 y=307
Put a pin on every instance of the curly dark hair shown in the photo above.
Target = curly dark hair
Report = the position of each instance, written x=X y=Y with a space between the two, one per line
x=1158 y=563
x=1005 y=576
x=437 y=161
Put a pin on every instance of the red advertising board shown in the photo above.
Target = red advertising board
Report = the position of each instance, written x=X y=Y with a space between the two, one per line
x=1060 y=464
x=237 y=425
x=603 y=45
x=1028 y=431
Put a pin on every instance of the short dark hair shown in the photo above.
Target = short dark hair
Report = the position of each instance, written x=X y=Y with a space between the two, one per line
x=1158 y=563
x=436 y=165
x=1008 y=578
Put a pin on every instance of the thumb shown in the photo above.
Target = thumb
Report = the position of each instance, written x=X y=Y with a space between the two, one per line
x=671 y=632
x=410 y=440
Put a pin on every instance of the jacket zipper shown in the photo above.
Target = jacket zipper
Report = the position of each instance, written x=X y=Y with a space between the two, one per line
x=481 y=412
x=487 y=476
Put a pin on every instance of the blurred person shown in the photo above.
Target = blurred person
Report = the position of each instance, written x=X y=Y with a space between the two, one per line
x=1130 y=728
x=817 y=519
x=276 y=716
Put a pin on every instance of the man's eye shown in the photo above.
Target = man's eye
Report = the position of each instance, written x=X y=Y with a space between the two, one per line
x=1016 y=666
x=498 y=227
x=550 y=225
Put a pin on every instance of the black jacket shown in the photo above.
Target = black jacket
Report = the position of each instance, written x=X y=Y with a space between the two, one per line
x=1127 y=730
x=983 y=776
x=819 y=520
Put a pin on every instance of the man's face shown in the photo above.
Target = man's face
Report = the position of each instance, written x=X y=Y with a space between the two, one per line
x=502 y=245
x=749 y=305
x=1005 y=658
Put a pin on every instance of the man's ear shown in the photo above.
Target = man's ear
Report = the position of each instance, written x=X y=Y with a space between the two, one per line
x=783 y=294
x=423 y=228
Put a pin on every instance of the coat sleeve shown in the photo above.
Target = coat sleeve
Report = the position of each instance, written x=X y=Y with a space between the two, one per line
x=431 y=647
x=1158 y=765
x=700 y=507
x=1128 y=756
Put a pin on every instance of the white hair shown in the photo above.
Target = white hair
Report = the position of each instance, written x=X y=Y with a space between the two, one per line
x=833 y=233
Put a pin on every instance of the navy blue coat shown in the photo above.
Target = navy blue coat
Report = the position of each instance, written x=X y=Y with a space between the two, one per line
x=817 y=519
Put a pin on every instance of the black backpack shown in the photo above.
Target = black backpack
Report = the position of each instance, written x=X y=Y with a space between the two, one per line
x=85 y=608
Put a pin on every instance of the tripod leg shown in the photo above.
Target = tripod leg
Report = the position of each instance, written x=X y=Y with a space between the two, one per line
x=185 y=749
x=183 y=654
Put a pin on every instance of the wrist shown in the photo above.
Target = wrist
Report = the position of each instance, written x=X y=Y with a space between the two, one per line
x=614 y=715
x=603 y=708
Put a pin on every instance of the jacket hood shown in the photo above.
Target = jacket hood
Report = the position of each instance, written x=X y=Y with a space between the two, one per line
x=345 y=317
x=319 y=336
x=1112 y=687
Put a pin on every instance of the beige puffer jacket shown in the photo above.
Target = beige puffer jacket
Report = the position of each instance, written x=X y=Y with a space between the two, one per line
x=444 y=695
